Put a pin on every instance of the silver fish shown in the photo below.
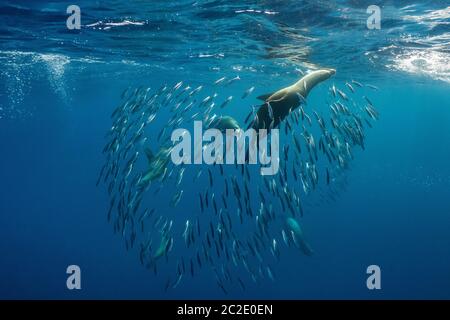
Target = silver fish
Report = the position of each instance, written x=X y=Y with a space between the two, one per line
x=228 y=100
x=248 y=92
x=220 y=80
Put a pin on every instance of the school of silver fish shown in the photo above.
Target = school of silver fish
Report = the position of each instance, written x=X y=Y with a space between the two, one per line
x=241 y=225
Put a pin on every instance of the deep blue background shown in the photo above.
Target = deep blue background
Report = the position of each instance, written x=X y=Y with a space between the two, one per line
x=395 y=212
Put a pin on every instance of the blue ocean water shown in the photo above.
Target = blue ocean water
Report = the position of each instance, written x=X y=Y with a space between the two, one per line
x=58 y=88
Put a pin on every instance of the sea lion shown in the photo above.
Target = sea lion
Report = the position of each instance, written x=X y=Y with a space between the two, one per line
x=279 y=104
